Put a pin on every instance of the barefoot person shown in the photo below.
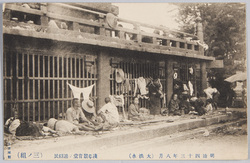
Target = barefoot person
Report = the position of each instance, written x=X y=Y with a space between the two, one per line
x=109 y=113
x=76 y=116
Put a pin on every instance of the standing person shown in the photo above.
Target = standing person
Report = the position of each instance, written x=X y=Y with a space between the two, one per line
x=173 y=106
x=209 y=91
x=109 y=113
x=155 y=95
x=75 y=115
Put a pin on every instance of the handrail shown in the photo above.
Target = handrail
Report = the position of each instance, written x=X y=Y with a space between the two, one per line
x=101 y=27
x=153 y=26
x=127 y=21
x=79 y=8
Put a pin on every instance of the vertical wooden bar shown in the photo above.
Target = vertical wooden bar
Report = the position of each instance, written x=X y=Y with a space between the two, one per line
x=44 y=89
x=71 y=74
x=75 y=71
x=34 y=88
x=23 y=87
x=53 y=84
x=5 y=82
x=17 y=85
x=91 y=76
x=28 y=85
x=49 y=78
x=67 y=87
x=11 y=80
x=58 y=87
x=63 y=87
x=39 y=92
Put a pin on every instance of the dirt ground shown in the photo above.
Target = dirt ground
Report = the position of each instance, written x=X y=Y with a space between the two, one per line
x=226 y=143
x=223 y=143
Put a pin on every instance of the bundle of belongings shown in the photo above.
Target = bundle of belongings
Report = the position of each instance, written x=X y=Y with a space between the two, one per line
x=17 y=127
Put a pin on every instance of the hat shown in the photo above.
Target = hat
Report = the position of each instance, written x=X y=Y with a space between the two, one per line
x=51 y=123
x=88 y=106
x=119 y=75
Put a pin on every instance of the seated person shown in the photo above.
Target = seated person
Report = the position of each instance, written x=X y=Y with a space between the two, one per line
x=90 y=112
x=185 y=105
x=75 y=115
x=137 y=114
x=109 y=113
x=173 y=106
x=199 y=104
x=209 y=108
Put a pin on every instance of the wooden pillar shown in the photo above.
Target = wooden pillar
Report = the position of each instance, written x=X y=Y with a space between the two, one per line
x=103 y=77
x=203 y=76
x=169 y=78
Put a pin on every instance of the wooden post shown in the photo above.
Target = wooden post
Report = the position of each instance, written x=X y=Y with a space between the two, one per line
x=103 y=77
x=203 y=76
x=101 y=30
x=169 y=79
x=138 y=36
x=44 y=18
x=7 y=14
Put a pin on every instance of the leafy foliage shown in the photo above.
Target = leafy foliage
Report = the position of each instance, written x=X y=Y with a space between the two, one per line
x=224 y=28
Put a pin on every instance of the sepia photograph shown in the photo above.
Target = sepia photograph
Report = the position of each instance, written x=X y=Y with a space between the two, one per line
x=124 y=81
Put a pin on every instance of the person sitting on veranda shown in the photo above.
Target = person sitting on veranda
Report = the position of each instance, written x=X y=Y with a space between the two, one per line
x=199 y=104
x=185 y=105
x=90 y=112
x=209 y=108
x=76 y=116
x=109 y=113
x=137 y=114
x=173 y=106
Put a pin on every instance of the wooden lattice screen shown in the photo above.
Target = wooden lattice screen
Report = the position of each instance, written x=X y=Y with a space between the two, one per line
x=133 y=71
x=36 y=82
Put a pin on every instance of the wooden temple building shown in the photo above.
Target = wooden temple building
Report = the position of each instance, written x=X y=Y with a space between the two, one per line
x=47 y=45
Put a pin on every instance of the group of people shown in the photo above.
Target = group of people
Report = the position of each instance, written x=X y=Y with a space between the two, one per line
x=85 y=117
x=79 y=118
x=202 y=104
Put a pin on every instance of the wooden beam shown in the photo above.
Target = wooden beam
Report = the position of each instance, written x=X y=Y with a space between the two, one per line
x=23 y=9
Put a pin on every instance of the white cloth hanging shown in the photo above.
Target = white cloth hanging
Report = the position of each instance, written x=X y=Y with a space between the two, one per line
x=191 y=88
x=141 y=84
x=78 y=91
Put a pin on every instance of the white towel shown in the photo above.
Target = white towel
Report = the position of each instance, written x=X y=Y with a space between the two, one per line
x=190 y=85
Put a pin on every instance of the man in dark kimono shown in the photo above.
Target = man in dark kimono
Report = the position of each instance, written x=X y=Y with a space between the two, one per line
x=155 y=95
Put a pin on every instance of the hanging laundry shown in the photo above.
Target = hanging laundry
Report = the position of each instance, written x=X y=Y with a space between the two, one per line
x=127 y=87
x=185 y=87
x=141 y=84
x=77 y=91
x=191 y=88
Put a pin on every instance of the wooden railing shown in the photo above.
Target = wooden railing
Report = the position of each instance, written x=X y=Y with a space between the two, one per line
x=161 y=37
